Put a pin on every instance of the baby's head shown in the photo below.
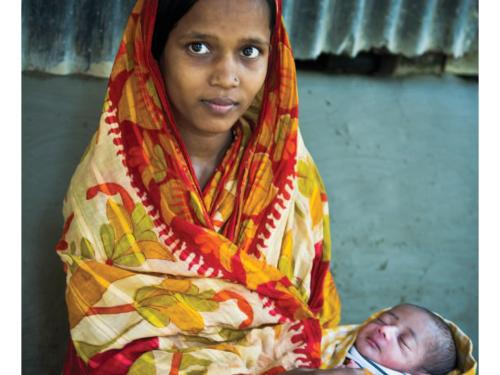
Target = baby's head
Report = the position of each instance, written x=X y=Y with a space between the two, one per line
x=409 y=338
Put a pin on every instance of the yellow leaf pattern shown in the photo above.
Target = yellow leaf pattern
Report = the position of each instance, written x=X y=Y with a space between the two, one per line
x=165 y=279
x=170 y=277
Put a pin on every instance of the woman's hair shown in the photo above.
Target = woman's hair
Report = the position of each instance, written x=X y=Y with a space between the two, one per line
x=171 y=11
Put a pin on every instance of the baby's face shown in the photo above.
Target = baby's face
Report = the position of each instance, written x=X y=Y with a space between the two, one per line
x=397 y=339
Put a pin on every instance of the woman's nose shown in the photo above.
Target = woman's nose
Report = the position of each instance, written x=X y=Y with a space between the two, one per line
x=225 y=73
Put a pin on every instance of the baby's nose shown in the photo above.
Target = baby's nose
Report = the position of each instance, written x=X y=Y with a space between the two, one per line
x=388 y=331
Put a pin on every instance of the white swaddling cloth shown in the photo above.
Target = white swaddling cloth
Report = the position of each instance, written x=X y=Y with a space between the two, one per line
x=370 y=365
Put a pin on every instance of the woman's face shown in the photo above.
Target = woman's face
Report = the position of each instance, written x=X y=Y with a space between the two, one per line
x=215 y=62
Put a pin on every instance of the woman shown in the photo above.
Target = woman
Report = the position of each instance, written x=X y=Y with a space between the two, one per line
x=197 y=236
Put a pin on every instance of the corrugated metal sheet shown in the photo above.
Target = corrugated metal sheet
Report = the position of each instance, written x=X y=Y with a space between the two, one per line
x=72 y=36
x=409 y=27
x=83 y=35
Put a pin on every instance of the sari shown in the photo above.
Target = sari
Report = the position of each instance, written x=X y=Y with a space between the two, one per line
x=338 y=340
x=164 y=277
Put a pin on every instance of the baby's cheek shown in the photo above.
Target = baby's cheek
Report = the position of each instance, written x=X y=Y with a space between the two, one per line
x=392 y=362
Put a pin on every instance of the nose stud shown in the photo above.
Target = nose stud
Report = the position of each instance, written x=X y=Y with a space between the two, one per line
x=224 y=77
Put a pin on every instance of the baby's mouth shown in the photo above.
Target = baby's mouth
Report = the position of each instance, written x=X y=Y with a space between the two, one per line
x=372 y=343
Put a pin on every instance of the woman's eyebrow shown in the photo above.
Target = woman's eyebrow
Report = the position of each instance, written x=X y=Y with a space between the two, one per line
x=198 y=35
x=255 y=41
x=205 y=36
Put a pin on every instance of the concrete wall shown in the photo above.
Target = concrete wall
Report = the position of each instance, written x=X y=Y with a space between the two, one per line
x=399 y=159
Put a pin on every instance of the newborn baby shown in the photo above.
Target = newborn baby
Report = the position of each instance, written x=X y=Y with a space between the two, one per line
x=408 y=339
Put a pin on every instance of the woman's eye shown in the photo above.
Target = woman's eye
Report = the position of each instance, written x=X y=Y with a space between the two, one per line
x=198 y=48
x=250 y=52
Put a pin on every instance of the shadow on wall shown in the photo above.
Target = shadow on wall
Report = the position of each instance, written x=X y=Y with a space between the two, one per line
x=59 y=117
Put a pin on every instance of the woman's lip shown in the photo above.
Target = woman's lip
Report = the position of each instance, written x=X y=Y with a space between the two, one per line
x=220 y=107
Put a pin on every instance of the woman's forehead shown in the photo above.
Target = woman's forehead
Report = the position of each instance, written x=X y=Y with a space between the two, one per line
x=213 y=16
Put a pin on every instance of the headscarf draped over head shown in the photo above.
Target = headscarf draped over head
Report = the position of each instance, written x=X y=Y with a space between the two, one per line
x=163 y=277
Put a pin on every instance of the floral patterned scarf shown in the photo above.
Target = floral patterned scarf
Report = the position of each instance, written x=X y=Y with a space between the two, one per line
x=163 y=277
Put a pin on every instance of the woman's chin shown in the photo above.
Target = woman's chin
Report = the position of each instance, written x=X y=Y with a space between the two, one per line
x=217 y=126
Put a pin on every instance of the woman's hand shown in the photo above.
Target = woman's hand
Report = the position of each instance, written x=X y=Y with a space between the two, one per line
x=334 y=371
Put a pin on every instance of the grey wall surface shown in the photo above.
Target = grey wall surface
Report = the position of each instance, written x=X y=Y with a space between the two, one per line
x=74 y=36
x=399 y=159
x=58 y=117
